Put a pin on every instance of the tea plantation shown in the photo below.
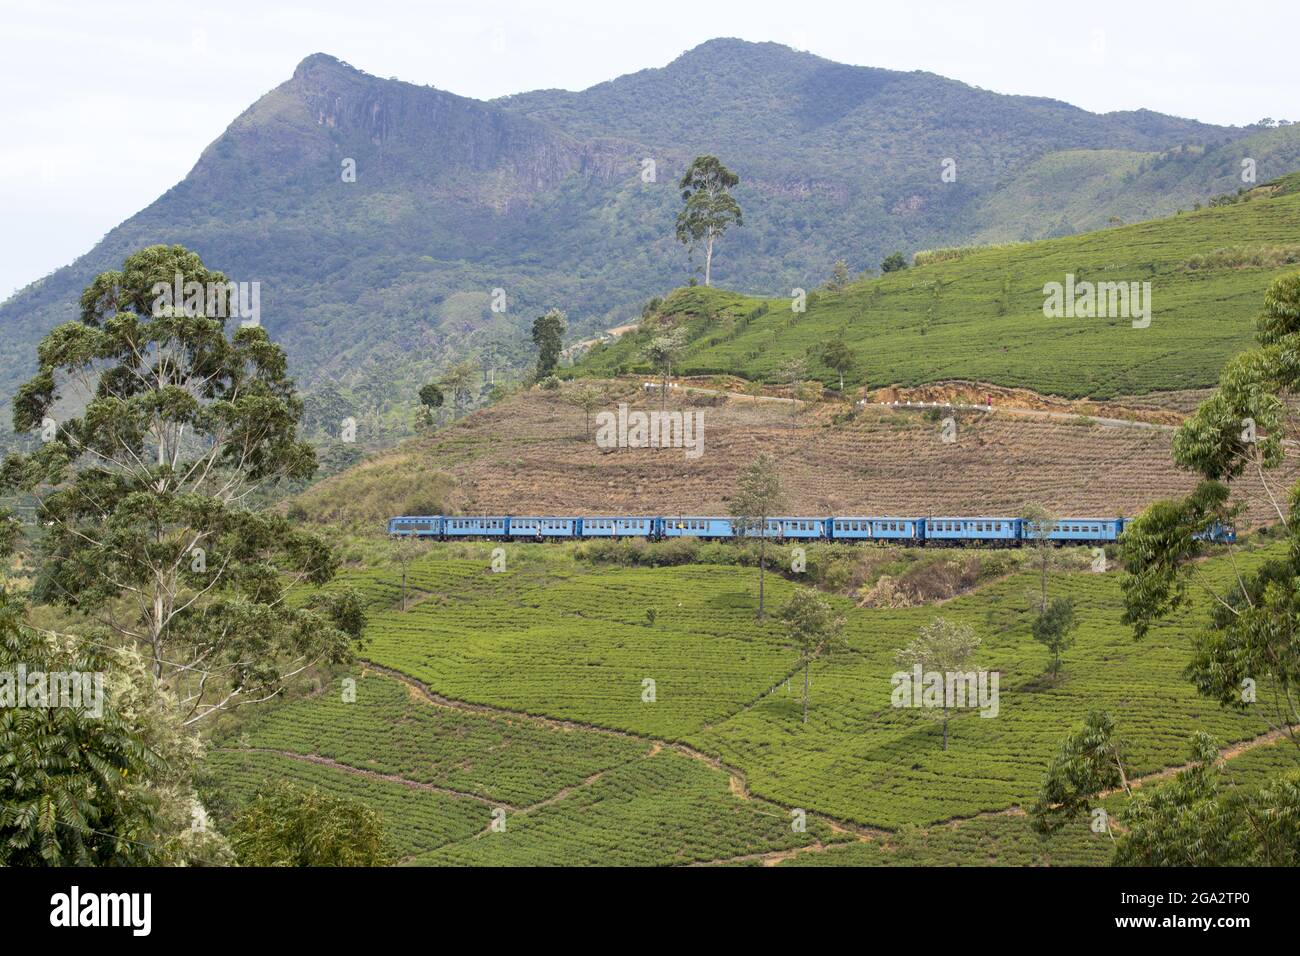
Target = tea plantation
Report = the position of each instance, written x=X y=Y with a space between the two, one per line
x=643 y=716
x=978 y=315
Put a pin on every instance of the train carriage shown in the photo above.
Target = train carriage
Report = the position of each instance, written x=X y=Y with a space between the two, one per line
x=540 y=526
x=996 y=531
x=800 y=528
x=602 y=527
x=481 y=526
x=419 y=526
x=695 y=526
x=1082 y=530
x=874 y=528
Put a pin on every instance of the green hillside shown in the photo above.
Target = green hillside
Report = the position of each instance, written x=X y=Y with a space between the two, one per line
x=524 y=690
x=977 y=313
x=1075 y=190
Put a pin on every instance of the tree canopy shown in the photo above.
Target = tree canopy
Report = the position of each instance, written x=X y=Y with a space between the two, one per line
x=157 y=431
x=709 y=209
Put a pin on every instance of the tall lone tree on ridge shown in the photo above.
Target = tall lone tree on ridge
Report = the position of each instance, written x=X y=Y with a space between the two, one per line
x=166 y=428
x=759 y=497
x=709 y=208
x=431 y=398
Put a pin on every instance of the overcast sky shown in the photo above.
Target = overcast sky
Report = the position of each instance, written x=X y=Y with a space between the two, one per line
x=107 y=103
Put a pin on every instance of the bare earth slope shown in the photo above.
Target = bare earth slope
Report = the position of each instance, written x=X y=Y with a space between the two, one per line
x=529 y=454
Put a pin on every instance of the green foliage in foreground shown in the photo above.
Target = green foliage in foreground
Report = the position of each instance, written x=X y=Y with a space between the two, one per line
x=286 y=825
x=156 y=426
x=413 y=819
x=1195 y=820
x=980 y=317
x=1008 y=839
x=73 y=786
x=102 y=779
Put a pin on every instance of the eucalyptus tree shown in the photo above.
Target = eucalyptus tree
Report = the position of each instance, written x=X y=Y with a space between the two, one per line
x=431 y=399
x=587 y=398
x=1038 y=524
x=157 y=429
x=709 y=209
x=1246 y=655
x=840 y=358
x=1089 y=764
x=1202 y=817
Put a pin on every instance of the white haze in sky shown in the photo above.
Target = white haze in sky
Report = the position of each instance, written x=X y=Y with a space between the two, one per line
x=108 y=103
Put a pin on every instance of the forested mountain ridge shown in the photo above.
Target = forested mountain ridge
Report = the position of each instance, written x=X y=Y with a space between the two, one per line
x=374 y=284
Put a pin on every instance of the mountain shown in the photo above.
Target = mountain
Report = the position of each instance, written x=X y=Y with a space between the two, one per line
x=374 y=284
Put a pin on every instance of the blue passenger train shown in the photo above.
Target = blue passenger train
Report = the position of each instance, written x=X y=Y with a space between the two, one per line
x=990 y=531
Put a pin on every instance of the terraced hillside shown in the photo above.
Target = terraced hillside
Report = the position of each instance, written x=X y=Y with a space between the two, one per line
x=977 y=313
x=531 y=454
x=524 y=694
